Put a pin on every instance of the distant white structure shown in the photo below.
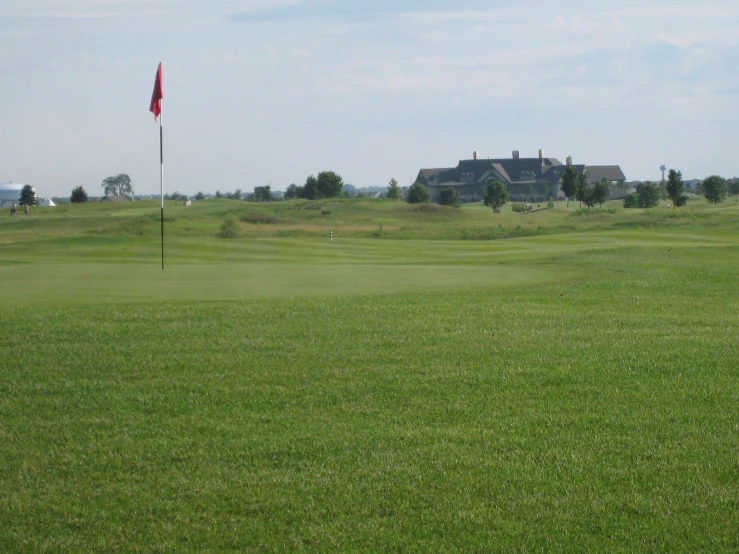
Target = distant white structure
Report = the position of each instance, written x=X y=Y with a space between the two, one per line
x=47 y=202
x=10 y=192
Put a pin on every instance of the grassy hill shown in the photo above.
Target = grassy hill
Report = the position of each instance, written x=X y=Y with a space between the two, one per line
x=361 y=218
x=412 y=385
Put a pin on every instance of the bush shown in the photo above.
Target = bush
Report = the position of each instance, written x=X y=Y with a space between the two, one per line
x=418 y=194
x=230 y=229
x=450 y=197
x=715 y=189
x=648 y=195
x=257 y=219
x=518 y=207
x=428 y=208
x=550 y=204
x=631 y=201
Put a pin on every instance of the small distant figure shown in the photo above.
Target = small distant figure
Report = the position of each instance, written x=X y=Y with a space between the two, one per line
x=13 y=210
x=667 y=205
x=25 y=209
x=538 y=206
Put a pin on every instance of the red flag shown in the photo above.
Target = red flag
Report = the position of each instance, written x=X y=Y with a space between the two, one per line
x=157 y=95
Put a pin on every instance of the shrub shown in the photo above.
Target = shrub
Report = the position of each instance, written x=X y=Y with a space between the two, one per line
x=230 y=229
x=257 y=219
x=450 y=197
x=647 y=195
x=418 y=194
x=550 y=204
x=428 y=208
x=715 y=189
x=518 y=207
x=631 y=200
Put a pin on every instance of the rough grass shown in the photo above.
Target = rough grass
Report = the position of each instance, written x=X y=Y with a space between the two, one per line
x=358 y=218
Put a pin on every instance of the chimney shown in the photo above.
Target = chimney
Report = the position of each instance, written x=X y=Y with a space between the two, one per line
x=474 y=155
x=569 y=161
x=516 y=154
x=541 y=154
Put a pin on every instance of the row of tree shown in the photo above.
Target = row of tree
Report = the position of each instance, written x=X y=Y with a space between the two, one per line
x=647 y=195
x=575 y=185
x=326 y=185
x=118 y=185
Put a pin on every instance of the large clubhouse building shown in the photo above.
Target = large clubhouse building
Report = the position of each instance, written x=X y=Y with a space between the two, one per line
x=527 y=179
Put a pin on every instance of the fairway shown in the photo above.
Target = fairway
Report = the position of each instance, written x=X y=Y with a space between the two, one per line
x=571 y=386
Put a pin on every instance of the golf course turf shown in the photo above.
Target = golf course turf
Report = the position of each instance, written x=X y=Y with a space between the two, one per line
x=439 y=380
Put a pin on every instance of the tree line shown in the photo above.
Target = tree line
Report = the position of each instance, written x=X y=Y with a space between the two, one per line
x=714 y=188
x=328 y=184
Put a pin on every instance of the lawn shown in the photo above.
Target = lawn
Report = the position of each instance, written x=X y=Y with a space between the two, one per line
x=576 y=389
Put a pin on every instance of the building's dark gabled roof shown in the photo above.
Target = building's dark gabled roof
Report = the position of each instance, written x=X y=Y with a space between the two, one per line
x=426 y=175
x=508 y=171
x=596 y=173
x=514 y=171
x=114 y=198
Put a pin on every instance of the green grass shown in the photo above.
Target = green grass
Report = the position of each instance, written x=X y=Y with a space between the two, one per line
x=572 y=391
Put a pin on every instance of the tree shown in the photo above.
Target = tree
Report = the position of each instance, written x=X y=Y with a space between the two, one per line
x=715 y=189
x=496 y=195
x=583 y=190
x=418 y=194
x=349 y=191
x=310 y=189
x=450 y=197
x=219 y=194
x=601 y=192
x=734 y=187
x=293 y=191
x=676 y=188
x=230 y=229
x=79 y=195
x=570 y=182
x=262 y=194
x=235 y=195
x=648 y=195
x=393 y=190
x=27 y=196
x=200 y=196
x=120 y=185
x=329 y=184
x=631 y=200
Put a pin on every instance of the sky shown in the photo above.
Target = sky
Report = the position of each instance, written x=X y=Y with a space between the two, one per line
x=267 y=92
